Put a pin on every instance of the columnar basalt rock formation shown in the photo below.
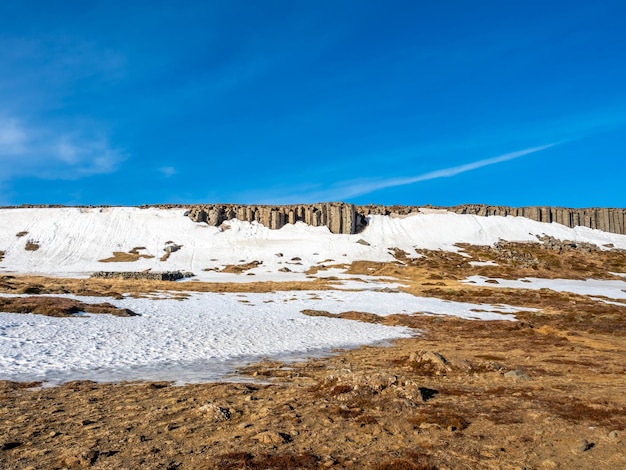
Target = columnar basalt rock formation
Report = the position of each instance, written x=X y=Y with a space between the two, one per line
x=605 y=219
x=338 y=217
x=348 y=218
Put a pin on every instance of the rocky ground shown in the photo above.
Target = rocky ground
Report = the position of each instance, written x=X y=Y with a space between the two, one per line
x=543 y=392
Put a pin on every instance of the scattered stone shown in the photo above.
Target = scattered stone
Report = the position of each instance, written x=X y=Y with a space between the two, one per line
x=427 y=393
x=284 y=270
x=217 y=413
x=279 y=255
x=613 y=434
x=360 y=241
x=516 y=375
x=272 y=437
x=10 y=445
x=172 y=247
x=435 y=361
x=91 y=456
x=585 y=445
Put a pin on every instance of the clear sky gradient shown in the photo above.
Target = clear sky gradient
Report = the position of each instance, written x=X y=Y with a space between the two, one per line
x=390 y=102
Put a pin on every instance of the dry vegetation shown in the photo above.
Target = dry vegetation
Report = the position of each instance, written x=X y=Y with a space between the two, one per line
x=21 y=234
x=544 y=392
x=58 y=306
x=127 y=257
x=241 y=268
x=31 y=245
x=10 y=284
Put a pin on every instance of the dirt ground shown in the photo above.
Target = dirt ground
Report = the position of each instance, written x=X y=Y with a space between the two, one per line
x=544 y=392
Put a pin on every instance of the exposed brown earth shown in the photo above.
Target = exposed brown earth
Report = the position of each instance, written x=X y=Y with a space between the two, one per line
x=124 y=257
x=58 y=306
x=31 y=245
x=543 y=392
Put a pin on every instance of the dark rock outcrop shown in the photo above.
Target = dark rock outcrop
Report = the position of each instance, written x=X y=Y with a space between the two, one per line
x=338 y=217
x=147 y=275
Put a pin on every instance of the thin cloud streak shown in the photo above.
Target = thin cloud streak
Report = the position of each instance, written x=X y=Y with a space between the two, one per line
x=345 y=190
x=358 y=190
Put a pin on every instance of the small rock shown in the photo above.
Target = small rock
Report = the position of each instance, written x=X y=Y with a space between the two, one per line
x=360 y=241
x=272 y=437
x=517 y=375
x=53 y=434
x=585 y=445
x=435 y=360
x=613 y=434
x=427 y=393
x=279 y=255
x=91 y=456
x=217 y=413
x=10 y=445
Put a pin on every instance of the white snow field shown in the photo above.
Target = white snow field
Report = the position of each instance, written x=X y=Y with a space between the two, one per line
x=208 y=335
x=612 y=289
x=72 y=240
x=205 y=336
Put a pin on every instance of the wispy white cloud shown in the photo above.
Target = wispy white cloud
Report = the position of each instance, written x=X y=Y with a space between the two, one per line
x=47 y=154
x=348 y=189
x=167 y=171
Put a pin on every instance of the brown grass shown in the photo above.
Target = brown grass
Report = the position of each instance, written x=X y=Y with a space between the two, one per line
x=113 y=287
x=262 y=461
x=21 y=234
x=58 y=306
x=123 y=257
x=240 y=268
x=409 y=461
x=31 y=245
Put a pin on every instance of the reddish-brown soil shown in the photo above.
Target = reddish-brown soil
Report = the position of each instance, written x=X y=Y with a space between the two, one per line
x=544 y=392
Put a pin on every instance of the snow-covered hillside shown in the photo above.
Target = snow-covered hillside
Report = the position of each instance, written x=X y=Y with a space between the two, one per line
x=72 y=241
x=205 y=336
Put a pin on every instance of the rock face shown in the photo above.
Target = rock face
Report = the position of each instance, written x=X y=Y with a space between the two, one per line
x=605 y=219
x=348 y=218
x=338 y=217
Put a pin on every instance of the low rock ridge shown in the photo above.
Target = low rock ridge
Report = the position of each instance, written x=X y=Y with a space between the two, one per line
x=143 y=275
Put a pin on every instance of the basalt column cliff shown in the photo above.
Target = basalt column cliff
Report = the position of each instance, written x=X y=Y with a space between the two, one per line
x=348 y=218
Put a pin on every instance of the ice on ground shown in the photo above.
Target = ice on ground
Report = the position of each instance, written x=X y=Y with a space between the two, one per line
x=483 y=263
x=73 y=240
x=596 y=287
x=205 y=336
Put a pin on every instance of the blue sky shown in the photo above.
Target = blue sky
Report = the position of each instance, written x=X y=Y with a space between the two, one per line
x=394 y=102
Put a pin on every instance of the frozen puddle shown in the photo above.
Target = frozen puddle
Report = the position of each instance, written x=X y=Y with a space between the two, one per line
x=206 y=336
x=605 y=288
